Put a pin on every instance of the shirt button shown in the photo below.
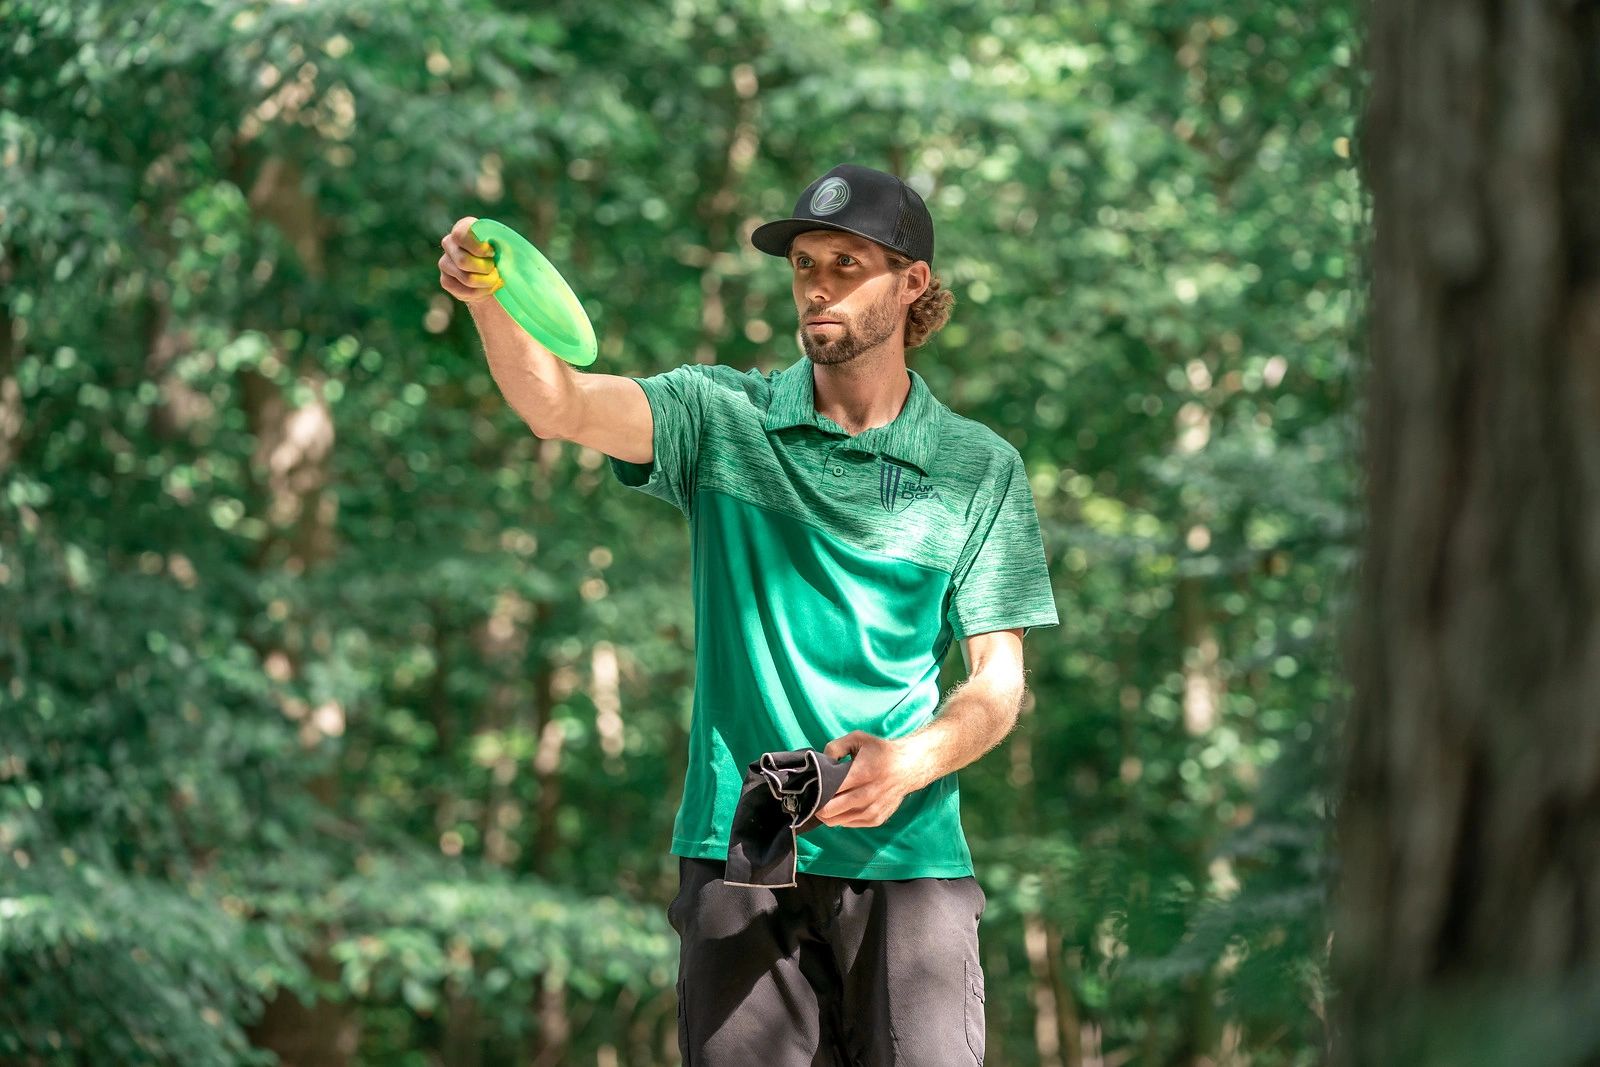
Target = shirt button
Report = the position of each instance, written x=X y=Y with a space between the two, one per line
x=838 y=470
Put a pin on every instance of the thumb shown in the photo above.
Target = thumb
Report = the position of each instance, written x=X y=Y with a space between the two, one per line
x=840 y=747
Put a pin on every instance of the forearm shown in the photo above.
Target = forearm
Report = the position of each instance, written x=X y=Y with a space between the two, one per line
x=976 y=716
x=539 y=385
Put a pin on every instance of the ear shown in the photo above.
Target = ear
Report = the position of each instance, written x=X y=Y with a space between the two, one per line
x=917 y=279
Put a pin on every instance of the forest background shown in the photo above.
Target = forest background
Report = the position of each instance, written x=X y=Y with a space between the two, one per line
x=341 y=718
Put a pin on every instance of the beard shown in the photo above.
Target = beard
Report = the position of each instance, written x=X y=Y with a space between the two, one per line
x=877 y=324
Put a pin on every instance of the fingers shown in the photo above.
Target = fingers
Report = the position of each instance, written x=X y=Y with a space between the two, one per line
x=875 y=813
x=860 y=801
x=461 y=232
x=471 y=276
x=457 y=288
x=467 y=269
x=840 y=747
x=466 y=286
x=833 y=814
x=469 y=255
x=871 y=791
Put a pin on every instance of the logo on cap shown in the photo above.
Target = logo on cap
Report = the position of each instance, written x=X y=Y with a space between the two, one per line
x=830 y=196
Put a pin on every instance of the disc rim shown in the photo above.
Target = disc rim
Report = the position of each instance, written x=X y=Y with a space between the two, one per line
x=536 y=296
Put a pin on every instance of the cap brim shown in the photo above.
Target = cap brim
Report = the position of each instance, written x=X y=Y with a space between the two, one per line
x=773 y=238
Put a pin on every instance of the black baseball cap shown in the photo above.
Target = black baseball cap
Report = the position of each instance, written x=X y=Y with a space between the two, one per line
x=868 y=203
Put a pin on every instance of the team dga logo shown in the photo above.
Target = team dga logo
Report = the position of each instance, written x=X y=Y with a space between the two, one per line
x=896 y=492
x=830 y=196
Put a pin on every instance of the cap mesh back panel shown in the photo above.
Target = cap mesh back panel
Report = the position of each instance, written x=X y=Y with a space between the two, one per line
x=912 y=231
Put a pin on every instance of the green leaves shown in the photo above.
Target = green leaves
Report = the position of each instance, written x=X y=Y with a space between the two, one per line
x=308 y=648
x=157 y=973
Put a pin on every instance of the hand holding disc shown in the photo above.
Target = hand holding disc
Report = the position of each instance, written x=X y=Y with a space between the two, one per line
x=536 y=296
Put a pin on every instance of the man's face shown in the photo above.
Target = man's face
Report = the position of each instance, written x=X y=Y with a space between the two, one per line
x=845 y=293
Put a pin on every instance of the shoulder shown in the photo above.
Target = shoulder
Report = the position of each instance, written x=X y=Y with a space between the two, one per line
x=717 y=382
x=978 y=437
x=975 y=450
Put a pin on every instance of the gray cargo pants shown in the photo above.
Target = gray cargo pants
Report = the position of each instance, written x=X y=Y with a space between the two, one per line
x=835 y=972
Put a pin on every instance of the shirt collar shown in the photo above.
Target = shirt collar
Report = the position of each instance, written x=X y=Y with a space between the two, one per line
x=912 y=437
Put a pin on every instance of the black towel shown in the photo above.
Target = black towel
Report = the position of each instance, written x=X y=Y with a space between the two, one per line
x=783 y=791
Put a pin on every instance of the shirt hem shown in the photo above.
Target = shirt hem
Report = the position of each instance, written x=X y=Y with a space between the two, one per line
x=890 y=871
x=984 y=626
x=877 y=871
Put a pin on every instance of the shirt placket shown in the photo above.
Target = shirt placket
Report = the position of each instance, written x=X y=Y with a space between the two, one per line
x=835 y=465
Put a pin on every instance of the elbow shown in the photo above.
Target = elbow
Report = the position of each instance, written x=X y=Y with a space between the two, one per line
x=544 y=430
x=541 y=427
x=550 y=417
x=1009 y=722
x=1011 y=701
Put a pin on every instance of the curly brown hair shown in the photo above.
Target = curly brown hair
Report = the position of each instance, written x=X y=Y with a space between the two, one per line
x=931 y=310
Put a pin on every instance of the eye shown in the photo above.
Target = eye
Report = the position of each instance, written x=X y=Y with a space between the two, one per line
x=843 y=257
x=801 y=261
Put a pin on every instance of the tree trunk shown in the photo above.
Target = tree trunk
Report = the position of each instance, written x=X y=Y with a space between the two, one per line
x=291 y=474
x=1046 y=1012
x=10 y=390
x=1468 y=915
x=1203 y=692
x=323 y=1033
x=718 y=210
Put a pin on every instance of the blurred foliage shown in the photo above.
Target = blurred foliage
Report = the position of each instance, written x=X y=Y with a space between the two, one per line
x=309 y=651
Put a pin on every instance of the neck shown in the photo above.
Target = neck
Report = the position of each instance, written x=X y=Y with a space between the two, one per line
x=865 y=392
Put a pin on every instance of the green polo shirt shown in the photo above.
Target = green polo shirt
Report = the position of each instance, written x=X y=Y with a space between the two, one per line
x=830 y=574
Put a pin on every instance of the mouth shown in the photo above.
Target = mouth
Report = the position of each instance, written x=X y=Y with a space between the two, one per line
x=822 y=322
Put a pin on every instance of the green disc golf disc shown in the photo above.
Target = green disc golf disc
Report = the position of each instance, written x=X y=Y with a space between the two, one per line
x=536 y=296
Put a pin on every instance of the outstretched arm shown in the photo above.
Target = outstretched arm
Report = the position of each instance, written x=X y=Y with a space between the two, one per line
x=976 y=716
x=607 y=412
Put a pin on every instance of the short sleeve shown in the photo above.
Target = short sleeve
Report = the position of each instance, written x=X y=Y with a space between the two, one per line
x=1002 y=581
x=677 y=405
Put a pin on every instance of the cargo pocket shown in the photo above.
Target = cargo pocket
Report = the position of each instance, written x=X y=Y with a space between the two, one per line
x=975 y=1025
x=677 y=899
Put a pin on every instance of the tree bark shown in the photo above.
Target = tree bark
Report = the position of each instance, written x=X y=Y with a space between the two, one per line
x=718 y=210
x=291 y=471
x=1046 y=1011
x=547 y=756
x=10 y=391
x=1468 y=912
x=323 y=1033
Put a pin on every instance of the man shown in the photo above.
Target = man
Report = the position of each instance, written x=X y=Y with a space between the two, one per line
x=846 y=527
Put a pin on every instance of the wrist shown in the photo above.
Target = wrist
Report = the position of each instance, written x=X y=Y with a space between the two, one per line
x=921 y=754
